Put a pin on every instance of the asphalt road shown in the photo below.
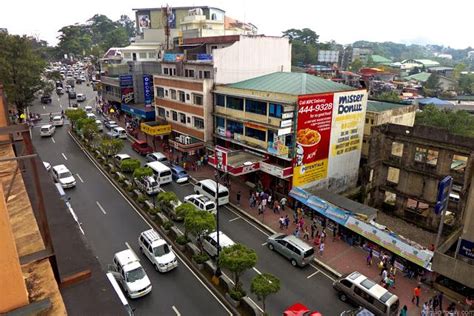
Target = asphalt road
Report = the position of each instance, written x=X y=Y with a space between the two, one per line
x=111 y=224
x=308 y=285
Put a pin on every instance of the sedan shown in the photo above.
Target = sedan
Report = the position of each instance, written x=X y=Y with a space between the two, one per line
x=156 y=156
x=109 y=123
x=299 y=309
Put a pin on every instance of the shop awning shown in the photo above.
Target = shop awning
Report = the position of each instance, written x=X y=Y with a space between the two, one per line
x=147 y=113
x=239 y=162
x=155 y=128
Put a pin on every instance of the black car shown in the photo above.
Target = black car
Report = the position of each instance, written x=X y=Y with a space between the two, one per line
x=45 y=99
x=72 y=94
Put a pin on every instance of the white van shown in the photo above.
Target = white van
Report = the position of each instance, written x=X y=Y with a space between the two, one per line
x=356 y=287
x=88 y=109
x=47 y=130
x=209 y=243
x=208 y=188
x=127 y=269
x=162 y=172
x=58 y=120
x=157 y=250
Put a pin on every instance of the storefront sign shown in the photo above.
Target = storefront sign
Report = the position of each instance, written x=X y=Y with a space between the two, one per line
x=126 y=81
x=312 y=138
x=255 y=126
x=286 y=115
x=276 y=146
x=126 y=89
x=276 y=171
x=148 y=89
x=155 y=130
x=286 y=123
x=238 y=171
x=466 y=249
x=221 y=158
x=204 y=57
x=284 y=131
x=173 y=57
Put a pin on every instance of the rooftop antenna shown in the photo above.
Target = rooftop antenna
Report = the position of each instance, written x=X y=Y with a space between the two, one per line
x=167 y=14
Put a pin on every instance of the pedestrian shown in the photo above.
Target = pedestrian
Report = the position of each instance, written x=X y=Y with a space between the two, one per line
x=384 y=274
x=369 y=257
x=260 y=208
x=238 y=197
x=297 y=232
x=440 y=300
x=313 y=228
x=252 y=200
x=425 y=309
x=283 y=203
x=404 y=311
x=316 y=240
x=282 y=222
x=287 y=222
x=300 y=212
x=295 y=216
x=321 y=248
x=393 y=270
x=416 y=295
x=435 y=303
x=301 y=223
x=264 y=203
x=269 y=201
x=323 y=235
x=334 y=233
x=305 y=233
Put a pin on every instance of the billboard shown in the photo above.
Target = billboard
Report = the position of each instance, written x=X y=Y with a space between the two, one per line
x=329 y=139
x=126 y=89
x=144 y=22
x=221 y=158
x=148 y=89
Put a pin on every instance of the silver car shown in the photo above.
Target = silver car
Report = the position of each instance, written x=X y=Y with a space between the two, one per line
x=294 y=249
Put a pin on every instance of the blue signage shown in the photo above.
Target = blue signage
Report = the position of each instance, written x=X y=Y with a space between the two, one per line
x=466 y=249
x=444 y=189
x=126 y=81
x=172 y=57
x=204 y=57
x=148 y=89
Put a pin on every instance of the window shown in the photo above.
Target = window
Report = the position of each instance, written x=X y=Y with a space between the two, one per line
x=173 y=94
x=257 y=107
x=207 y=75
x=188 y=120
x=220 y=122
x=346 y=283
x=152 y=55
x=142 y=55
x=181 y=96
x=420 y=154
x=188 y=97
x=364 y=295
x=220 y=100
x=198 y=122
x=166 y=92
x=160 y=92
x=459 y=163
x=127 y=55
x=432 y=158
x=255 y=133
x=165 y=71
x=200 y=74
x=397 y=149
x=275 y=110
x=197 y=99
x=167 y=113
x=213 y=47
x=235 y=127
x=175 y=115
x=366 y=121
x=393 y=175
x=235 y=103
x=161 y=112
x=189 y=73
x=182 y=118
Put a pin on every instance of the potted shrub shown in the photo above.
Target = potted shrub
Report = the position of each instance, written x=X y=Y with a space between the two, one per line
x=167 y=226
x=199 y=259
x=141 y=199
x=181 y=241
x=235 y=295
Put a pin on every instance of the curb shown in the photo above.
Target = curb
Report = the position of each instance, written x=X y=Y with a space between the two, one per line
x=267 y=228
x=145 y=215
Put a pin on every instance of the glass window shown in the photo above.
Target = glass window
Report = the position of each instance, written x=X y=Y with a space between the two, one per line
x=142 y=55
x=189 y=73
x=127 y=55
x=167 y=113
x=161 y=112
x=174 y=71
x=173 y=94
x=181 y=96
x=188 y=97
x=207 y=75
x=198 y=123
x=188 y=120
x=275 y=110
x=175 y=115
x=197 y=99
x=235 y=103
x=255 y=106
x=160 y=92
x=182 y=118
x=152 y=55
x=220 y=122
x=255 y=133
x=220 y=100
x=165 y=71
x=235 y=127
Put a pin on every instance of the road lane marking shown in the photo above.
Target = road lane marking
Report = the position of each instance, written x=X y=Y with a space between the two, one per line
x=52 y=139
x=141 y=216
x=176 y=310
x=61 y=106
x=100 y=207
x=77 y=174
x=255 y=269
x=327 y=275
x=64 y=156
x=265 y=243
x=255 y=304
x=312 y=274
x=44 y=108
x=249 y=222
x=128 y=245
x=234 y=219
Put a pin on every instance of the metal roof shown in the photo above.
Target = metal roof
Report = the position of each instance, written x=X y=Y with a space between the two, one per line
x=380 y=106
x=422 y=76
x=292 y=83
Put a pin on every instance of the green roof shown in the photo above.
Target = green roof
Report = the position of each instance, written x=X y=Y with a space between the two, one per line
x=422 y=77
x=291 y=83
x=380 y=59
x=380 y=106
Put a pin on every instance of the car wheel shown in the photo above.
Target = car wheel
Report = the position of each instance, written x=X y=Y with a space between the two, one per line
x=271 y=247
x=156 y=267
x=293 y=262
x=343 y=297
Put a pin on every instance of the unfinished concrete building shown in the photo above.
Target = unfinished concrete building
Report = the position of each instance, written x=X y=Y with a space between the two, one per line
x=405 y=166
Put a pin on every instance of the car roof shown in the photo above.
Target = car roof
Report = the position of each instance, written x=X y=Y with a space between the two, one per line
x=153 y=237
x=118 y=128
x=212 y=184
x=177 y=168
x=59 y=168
x=298 y=242
x=224 y=240
x=46 y=126
x=57 y=117
x=158 y=154
x=127 y=257
x=122 y=156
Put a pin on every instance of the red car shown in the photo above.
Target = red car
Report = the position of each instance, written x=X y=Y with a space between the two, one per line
x=299 y=309
x=142 y=147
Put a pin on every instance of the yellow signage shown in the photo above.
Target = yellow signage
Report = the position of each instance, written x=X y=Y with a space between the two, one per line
x=155 y=130
x=314 y=171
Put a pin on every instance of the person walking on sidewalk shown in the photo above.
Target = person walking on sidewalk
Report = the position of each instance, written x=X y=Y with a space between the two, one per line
x=369 y=257
x=404 y=311
x=270 y=201
x=305 y=233
x=282 y=222
x=287 y=222
x=283 y=203
x=238 y=197
x=440 y=300
x=416 y=295
x=321 y=248
x=252 y=200
x=260 y=208
x=313 y=229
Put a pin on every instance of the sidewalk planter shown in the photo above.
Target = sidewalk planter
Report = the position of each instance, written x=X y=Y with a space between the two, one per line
x=127 y=185
x=175 y=232
x=199 y=259
x=192 y=248
x=167 y=226
x=234 y=297
x=161 y=218
x=181 y=242
x=120 y=177
x=248 y=305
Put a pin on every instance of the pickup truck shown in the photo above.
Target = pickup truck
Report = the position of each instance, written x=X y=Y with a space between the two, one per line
x=147 y=185
x=142 y=147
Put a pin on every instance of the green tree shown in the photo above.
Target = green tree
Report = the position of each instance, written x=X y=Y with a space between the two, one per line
x=198 y=223
x=390 y=96
x=128 y=24
x=88 y=128
x=144 y=172
x=432 y=86
x=356 y=65
x=75 y=115
x=457 y=70
x=263 y=285
x=20 y=69
x=237 y=258
x=304 y=45
x=53 y=75
x=466 y=83
x=456 y=122
x=110 y=146
x=129 y=165
x=183 y=210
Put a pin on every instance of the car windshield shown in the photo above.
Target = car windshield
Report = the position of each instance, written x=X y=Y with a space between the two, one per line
x=183 y=174
x=210 y=206
x=161 y=250
x=66 y=174
x=135 y=274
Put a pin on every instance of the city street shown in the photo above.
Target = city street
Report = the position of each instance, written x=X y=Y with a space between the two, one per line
x=111 y=224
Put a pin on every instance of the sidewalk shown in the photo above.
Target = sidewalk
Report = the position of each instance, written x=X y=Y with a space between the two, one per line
x=338 y=255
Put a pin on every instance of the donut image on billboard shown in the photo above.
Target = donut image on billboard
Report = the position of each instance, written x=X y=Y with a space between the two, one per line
x=313 y=135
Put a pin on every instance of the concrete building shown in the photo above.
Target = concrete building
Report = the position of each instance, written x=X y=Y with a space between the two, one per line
x=183 y=90
x=361 y=53
x=379 y=113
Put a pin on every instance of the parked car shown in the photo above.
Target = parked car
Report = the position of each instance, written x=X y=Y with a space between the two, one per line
x=294 y=249
x=299 y=309
x=47 y=130
x=209 y=243
x=88 y=109
x=119 y=158
x=147 y=185
x=157 y=250
x=81 y=97
x=156 y=156
x=118 y=132
x=91 y=116
x=109 y=124
x=178 y=174
x=59 y=91
x=142 y=147
x=45 y=99
x=100 y=127
x=202 y=203
x=63 y=176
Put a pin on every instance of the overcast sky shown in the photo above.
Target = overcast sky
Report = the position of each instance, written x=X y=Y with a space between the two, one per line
x=447 y=23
